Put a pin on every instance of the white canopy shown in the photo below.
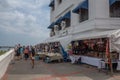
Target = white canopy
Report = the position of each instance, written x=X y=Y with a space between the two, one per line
x=63 y=40
x=115 y=40
x=92 y=35
x=114 y=36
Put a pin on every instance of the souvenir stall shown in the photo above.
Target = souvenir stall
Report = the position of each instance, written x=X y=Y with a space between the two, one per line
x=91 y=47
x=63 y=42
x=49 y=57
x=50 y=51
x=41 y=50
x=53 y=52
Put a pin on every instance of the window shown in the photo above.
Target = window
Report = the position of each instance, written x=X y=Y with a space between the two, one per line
x=59 y=27
x=67 y=22
x=58 y=23
x=52 y=33
x=82 y=10
x=52 y=5
x=53 y=8
x=83 y=15
x=67 y=19
x=115 y=9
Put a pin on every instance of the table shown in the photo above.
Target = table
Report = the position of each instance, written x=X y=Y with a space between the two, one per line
x=91 y=61
x=41 y=54
x=54 y=56
x=74 y=58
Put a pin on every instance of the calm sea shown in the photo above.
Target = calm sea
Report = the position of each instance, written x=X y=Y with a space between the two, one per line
x=4 y=49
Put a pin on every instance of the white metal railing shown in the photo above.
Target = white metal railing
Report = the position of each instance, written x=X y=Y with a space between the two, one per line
x=4 y=61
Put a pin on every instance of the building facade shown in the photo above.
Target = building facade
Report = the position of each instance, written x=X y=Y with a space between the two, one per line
x=83 y=21
x=78 y=16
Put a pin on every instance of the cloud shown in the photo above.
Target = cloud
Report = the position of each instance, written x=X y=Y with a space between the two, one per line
x=24 y=17
x=4 y=5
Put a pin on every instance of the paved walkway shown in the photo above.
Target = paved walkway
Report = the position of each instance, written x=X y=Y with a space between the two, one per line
x=22 y=70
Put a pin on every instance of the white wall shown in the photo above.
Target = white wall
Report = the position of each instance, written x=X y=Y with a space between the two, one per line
x=4 y=61
x=98 y=15
x=98 y=9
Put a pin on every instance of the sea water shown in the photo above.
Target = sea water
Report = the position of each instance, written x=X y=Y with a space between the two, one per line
x=4 y=49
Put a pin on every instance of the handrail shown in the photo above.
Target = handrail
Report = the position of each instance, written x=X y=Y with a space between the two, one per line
x=4 y=61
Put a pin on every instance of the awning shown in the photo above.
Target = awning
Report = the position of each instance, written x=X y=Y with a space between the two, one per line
x=52 y=3
x=67 y=15
x=92 y=35
x=51 y=25
x=63 y=40
x=83 y=5
x=112 y=1
x=59 y=20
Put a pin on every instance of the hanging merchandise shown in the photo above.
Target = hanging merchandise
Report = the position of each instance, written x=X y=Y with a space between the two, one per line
x=76 y=43
x=69 y=46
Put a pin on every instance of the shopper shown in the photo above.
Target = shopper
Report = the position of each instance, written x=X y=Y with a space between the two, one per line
x=26 y=53
x=71 y=55
x=32 y=56
x=18 y=52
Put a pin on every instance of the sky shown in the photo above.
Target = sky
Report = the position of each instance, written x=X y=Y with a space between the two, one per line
x=24 y=21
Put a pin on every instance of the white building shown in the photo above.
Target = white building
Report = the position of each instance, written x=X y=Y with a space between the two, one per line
x=83 y=19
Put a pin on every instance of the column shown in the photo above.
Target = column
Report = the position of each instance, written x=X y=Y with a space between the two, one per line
x=98 y=9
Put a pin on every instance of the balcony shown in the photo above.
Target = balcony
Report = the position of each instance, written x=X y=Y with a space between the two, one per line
x=98 y=23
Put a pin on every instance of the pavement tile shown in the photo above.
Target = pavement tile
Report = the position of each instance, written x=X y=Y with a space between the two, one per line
x=22 y=70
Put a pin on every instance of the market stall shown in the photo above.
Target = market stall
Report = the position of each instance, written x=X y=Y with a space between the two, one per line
x=50 y=51
x=61 y=42
x=42 y=54
x=90 y=60
x=49 y=57
x=91 y=46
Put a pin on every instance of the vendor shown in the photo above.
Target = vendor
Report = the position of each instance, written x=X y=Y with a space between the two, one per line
x=73 y=57
x=70 y=52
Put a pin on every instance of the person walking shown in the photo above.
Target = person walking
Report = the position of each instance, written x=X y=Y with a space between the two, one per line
x=18 y=52
x=32 y=56
x=71 y=55
x=26 y=53
x=21 y=52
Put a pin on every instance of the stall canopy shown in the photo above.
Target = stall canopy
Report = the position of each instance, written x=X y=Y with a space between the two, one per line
x=63 y=40
x=52 y=3
x=83 y=5
x=51 y=25
x=115 y=40
x=92 y=35
x=112 y=1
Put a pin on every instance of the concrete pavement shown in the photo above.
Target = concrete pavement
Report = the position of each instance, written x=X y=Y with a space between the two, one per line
x=22 y=70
